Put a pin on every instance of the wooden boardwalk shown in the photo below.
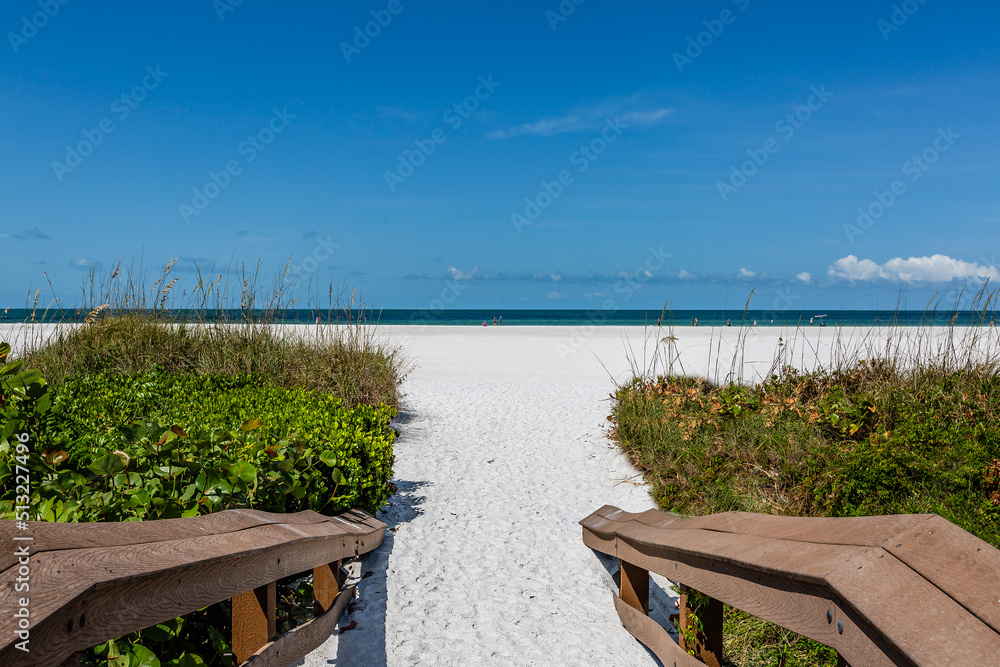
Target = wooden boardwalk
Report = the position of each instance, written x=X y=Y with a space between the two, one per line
x=889 y=590
x=97 y=581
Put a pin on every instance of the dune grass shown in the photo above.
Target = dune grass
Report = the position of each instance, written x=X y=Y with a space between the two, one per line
x=131 y=327
x=902 y=421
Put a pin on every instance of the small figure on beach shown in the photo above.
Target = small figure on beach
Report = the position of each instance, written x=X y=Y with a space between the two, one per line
x=810 y=321
x=657 y=321
x=729 y=323
x=501 y=320
x=494 y=320
x=991 y=322
x=696 y=321
x=317 y=320
x=484 y=323
x=755 y=322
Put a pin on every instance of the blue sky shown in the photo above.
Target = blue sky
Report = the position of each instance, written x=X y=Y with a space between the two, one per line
x=516 y=154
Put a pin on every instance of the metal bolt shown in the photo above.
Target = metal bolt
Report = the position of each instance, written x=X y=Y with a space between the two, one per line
x=840 y=627
x=829 y=616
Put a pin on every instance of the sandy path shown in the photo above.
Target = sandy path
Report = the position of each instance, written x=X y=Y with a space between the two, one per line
x=504 y=449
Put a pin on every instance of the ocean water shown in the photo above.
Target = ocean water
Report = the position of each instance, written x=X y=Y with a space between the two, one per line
x=597 y=317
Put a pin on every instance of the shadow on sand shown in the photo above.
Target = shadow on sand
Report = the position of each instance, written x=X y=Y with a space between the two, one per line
x=360 y=636
x=661 y=603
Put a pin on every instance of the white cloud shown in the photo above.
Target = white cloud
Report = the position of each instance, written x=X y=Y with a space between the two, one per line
x=585 y=119
x=86 y=263
x=645 y=117
x=684 y=275
x=553 y=295
x=744 y=273
x=547 y=275
x=805 y=277
x=936 y=268
x=460 y=275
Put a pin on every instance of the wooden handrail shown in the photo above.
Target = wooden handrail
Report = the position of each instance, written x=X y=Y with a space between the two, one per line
x=888 y=590
x=97 y=581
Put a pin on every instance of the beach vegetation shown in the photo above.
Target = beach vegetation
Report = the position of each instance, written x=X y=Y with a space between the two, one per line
x=911 y=427
x=147 y=412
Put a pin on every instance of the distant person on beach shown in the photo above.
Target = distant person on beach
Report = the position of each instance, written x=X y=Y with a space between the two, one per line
x=484 y=323
x=810 y=321
x=317 y=320
x=494 y=320
x=501 y=320
x=696 y=321
x=755 y=322
x=657 y=321
x=729 y=323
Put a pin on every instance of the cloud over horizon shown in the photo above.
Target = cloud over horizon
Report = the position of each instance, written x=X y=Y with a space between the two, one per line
x=933 y=269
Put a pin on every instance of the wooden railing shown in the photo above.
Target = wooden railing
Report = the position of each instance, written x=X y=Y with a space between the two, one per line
x=889 y=590
x=88 y=583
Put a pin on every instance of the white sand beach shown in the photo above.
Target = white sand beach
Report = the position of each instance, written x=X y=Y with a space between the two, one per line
x=504 y=448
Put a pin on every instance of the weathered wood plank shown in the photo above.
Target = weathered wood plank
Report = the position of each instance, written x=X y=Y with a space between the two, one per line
x=873 y=608
x=653 y=636
x=791 y=603
x=326 y=586
x=634 y=586
x=254 y=620
x=49 y=536
x=706 y=641
x=851 y=531
x=914 y=615
x=966 y=568
x=299 y=642
x=125 y=588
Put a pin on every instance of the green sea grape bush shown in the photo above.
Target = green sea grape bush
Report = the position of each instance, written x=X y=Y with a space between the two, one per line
x=196 y=447
x=105 y=412
x=24 y=397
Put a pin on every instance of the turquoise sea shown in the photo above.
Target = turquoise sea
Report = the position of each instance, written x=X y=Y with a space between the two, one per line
x=597 y=317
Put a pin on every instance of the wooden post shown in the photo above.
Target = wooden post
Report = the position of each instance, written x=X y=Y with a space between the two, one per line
x=707 y=632
x=326 y=586
x=254 y=621
x=634 y=586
